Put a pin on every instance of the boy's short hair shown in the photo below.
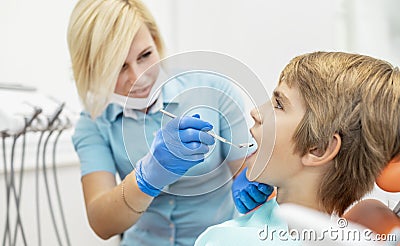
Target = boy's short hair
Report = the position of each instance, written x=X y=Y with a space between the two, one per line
x=357 y=97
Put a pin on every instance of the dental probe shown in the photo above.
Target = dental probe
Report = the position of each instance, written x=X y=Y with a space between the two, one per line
x=242 y=145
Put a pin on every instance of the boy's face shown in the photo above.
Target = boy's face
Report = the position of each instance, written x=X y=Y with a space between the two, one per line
x=283 y=163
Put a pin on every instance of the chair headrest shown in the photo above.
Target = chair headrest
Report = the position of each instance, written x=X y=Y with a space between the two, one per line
x=374 y=215
x=389 y=179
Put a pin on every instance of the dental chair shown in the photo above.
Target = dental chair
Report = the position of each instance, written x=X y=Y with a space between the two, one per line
x=374 y=214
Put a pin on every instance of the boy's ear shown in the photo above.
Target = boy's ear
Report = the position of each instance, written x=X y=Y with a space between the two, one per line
x=316 y=157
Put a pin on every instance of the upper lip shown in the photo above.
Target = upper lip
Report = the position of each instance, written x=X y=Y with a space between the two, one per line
x=251 y=132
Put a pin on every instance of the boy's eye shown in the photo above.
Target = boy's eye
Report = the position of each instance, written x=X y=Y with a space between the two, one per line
x=278 y=104
x=124 y=67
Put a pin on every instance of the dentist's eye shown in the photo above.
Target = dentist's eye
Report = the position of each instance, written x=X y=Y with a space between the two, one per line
x=145 y=55
x=278 y=104
x=125 y=66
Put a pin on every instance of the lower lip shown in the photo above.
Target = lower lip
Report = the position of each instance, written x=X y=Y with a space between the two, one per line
x=251 y=155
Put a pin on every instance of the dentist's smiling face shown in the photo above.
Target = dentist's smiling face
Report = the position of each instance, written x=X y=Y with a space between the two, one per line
x=135 y=79
x=283 y=163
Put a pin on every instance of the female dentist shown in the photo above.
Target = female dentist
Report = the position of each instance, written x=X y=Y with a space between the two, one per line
x=112 y=43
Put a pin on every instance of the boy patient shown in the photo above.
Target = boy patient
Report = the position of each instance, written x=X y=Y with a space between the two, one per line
x=337 y=125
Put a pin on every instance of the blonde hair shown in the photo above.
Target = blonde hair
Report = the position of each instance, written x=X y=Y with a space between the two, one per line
x=100 y=34
x=357 y=97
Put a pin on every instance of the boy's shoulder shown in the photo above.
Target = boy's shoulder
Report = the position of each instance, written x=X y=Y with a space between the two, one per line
x=253 y=228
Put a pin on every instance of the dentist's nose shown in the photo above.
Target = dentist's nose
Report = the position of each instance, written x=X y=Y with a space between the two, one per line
x=132 y=76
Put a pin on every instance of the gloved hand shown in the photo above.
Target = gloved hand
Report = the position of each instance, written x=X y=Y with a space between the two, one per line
x=248 y=195
x=180 y=145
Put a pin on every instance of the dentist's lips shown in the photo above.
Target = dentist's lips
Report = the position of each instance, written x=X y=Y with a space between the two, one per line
x=141 y=92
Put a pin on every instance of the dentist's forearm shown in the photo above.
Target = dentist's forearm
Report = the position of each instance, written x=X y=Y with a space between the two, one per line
x=113 y=212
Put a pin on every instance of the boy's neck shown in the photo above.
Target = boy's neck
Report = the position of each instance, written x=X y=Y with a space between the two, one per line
x=301 y=190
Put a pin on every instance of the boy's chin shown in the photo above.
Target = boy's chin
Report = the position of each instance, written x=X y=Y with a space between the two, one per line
x=255 y=170
x=252 y=174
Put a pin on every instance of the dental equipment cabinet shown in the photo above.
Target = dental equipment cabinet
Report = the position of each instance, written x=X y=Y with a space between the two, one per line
x=31 y=125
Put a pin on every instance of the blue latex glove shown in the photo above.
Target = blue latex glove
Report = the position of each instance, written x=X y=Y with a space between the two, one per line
x=248 y=195
x=180 y=145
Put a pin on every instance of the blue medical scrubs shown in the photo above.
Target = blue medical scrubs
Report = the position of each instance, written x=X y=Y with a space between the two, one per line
x=118 y=138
